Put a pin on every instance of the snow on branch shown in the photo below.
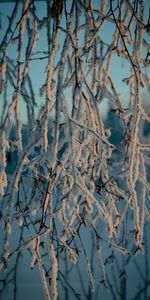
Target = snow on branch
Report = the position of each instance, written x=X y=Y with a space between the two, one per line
x=68 y=166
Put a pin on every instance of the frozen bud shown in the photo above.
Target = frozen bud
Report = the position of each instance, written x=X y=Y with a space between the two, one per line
x=108 y=132
x=20 y=221
x=8 y=228
x=34 y=211
x=6 y=254
x=72 y=256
